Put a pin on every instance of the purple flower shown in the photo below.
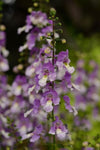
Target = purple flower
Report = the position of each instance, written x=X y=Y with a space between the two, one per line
x=49 y=98
x=32 y=37
x=38 y=18
x=17 y=105
x=58 y=129
x=63 y=64
x=35 y=135
x=23 y=125
x=3 y=64
x=83 y=123
x=67 y=103
x=45 y=31
x=46 y=51
x=67 y=79
x=89 y=148
x=3 y=80
x=2 y=39
x=35 y=108
x=68 y=106
x=46 y=72
x=35 y=18
x=30 y=70
x=19 y=85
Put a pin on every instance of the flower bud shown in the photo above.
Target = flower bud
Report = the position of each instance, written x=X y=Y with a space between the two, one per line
x=52 y=12
x=41 y=38
x=2 y=27
x=30 y=10
x=49 y=34
x=97 y=145
x=35 y=4
x=20 y=67
x=85 y=144
x=63 y=41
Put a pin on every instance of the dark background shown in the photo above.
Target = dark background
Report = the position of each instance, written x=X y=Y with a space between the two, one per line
x=77 y=16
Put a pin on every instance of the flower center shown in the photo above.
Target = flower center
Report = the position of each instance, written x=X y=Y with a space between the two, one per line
x=58 y=131
x=46 y=72
x=47 y=50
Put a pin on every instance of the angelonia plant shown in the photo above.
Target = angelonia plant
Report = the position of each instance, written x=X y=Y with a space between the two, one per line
x=87 y=103
x=38 y=92
x=88 y=97
x=49 y=77
x=30 y=106
x=4 y=86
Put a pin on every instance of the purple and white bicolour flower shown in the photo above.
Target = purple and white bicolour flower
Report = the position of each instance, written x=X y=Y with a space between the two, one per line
x=58 y=129
x=46 y=51
x=49 y=99
x=3 y=64
x=35 y=109
x=30 y=70
x=38 y=18
x=35 y=135
x=23 y=125
x=32 y=37
x=63 y=64
x=2 y=39
x=46 y=72
x=31 y=40
x=19 y=85
x=18 y=105
x=3 y=50
x=68 y=106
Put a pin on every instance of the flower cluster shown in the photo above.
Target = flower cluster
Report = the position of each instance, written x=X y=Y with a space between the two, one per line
x=5 y=102
x=48 y=76
x=35 y=97
x=88 y=96
x=3 y=52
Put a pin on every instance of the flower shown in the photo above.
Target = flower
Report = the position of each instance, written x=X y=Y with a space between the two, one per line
x=2 y=39
x=35 y=109
x=38 y=18
x=46 y=72
x=19 y=85
x=32 y=37
x=49 y=99
x=23 y=125
x=17 y=105
x=35 y=135
x=63 y=64
x=58 y=129
x=68 y=106
x=89 y=148
x=3 y=64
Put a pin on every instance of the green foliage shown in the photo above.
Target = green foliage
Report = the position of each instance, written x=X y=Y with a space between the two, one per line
x=1 y=4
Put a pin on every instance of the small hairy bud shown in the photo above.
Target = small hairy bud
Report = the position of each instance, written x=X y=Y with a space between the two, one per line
x=35 y=4
x=30 y=10
x=41 y=38
x=97 y=145
x=2 y=27
x=63 y=41
x=20 y=67
x=52 y=12
x=85 y=144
